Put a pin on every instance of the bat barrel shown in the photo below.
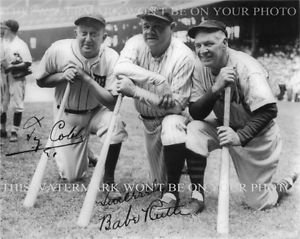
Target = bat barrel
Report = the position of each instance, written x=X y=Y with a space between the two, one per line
x=90 y=198
x=37 y=178
x=35 y=184
x=223 y=199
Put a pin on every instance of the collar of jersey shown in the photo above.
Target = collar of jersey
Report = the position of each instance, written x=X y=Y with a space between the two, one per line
x=160 y=58
x=77 y=53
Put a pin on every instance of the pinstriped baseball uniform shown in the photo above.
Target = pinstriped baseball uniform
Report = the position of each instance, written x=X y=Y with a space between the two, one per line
x=176 y=65
x=256 y=162
x=16 y=94
x=83 y=111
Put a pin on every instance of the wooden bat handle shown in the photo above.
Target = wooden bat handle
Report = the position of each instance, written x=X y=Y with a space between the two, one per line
x=37 y=178
x=223 y=199
x=91 y=195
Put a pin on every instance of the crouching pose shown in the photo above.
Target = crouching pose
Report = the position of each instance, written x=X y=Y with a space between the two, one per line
x=253 y=136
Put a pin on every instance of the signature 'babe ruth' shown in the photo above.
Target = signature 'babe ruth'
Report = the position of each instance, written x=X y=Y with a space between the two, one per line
x=253 y=136
x=18 y=61
x=88 y=65
x=159 y=65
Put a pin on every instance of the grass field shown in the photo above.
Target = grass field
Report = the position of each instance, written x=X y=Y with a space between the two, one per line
x=57 y=209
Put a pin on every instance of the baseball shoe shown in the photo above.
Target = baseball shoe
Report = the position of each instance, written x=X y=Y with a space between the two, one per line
x=195 y=205
x=113 y=193
x=13 y=137
x=166 y=203
x=283 y=186
x=3 y=133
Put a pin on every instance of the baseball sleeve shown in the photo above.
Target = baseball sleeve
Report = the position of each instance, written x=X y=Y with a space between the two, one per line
x=181 y=83
x=129 y=65
x=255 y=87
x=47 y=65
x=130 y=51
x=198 y=80
x=111 y=60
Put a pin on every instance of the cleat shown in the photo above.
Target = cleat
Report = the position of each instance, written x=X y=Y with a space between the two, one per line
x=114 y=194
x=166 y=204
x=13 y=137
x=193 y=207
x=285 y=184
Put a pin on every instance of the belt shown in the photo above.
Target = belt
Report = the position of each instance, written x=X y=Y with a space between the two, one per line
x=80 y=112
x=151 y=117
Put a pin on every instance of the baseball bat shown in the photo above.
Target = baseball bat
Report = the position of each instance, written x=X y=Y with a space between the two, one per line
x=223 y=199
x=37 y=178
x=90 y=198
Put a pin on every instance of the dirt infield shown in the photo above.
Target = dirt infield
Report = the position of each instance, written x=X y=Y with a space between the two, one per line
x=58 y=204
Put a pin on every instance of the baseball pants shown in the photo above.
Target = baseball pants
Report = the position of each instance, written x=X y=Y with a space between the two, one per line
x=13 y=92
x=255 y=163
x=72 y=160
x=158 y=133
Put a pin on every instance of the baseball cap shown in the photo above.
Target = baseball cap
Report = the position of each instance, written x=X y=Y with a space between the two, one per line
x=90 y=16
x=13 y=25
x=208 y=24
x=159 y=12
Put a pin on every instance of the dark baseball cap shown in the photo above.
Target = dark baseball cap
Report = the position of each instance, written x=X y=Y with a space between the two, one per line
x=90 y=16
x=12 y=25
x=159 y=12
x=207 y=25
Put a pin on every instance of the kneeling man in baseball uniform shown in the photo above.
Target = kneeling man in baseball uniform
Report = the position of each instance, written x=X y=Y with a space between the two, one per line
x=253 y=136
x=156 y=69
x=88 y=66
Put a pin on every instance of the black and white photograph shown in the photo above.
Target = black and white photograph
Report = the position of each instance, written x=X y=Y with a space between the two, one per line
x=150 y=119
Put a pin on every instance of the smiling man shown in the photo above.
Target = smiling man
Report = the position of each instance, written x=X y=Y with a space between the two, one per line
x=88 y=66
x=156 y=70
x=253 y=136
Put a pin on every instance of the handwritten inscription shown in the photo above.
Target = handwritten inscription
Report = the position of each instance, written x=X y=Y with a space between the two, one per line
x=132 y=194
x=56 y=135
x=69 y=135
x=147 y=214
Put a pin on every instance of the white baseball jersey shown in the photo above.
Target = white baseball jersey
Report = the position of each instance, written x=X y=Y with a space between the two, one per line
x=17 y=48
x=176 y=64
x=100 y=68
x=14 y=90
x=72 y=161
x=251 y=90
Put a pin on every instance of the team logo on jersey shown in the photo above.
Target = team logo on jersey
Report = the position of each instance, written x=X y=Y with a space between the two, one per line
x=101 y=80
